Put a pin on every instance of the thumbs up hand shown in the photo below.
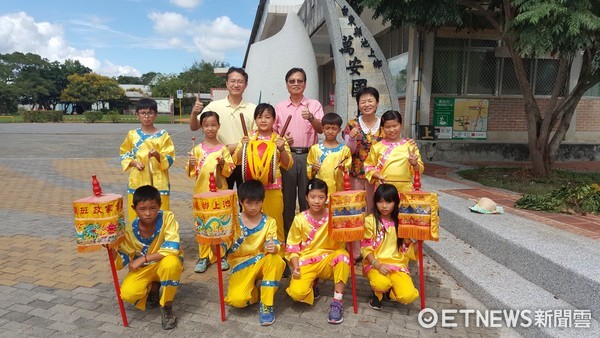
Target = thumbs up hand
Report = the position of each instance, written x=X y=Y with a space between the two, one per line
x=270 y=246
x=198 y=105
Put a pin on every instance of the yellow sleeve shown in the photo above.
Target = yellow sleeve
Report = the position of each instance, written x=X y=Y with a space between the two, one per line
x=366 y=244
x=370 y=164
x=271 y=233
x=196 y=153
x=171 y=243
x=167 y=152
x=286 y=147
x=126 y=154
x=235 y=153
x=409 y=248
x=228 y=166
x=347 y=155
x=311 y=159
x=125 y=250
x=295 y=237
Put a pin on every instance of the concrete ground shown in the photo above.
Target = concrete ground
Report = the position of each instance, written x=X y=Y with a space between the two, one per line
x=48 y=289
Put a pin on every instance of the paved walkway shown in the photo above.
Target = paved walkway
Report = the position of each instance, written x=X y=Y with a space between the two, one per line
x=48 y=289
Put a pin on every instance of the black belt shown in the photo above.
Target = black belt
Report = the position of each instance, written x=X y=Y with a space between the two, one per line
x=299 y=150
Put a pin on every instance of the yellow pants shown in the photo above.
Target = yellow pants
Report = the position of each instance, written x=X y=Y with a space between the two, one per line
x=132 y=215
x=205 y=251
x=136 y=284
x=242 y=289
x=273 y=206
x=334 y=267
x=402 y=288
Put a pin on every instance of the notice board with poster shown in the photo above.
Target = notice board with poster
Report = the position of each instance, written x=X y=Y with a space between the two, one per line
x=457 y=118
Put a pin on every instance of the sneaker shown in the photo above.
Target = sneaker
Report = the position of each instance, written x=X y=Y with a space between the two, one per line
x=153 y=299
x=315 y=287
x=386 y=297
x=267 y=316
x=169 y=321
x=336 y=312
x=375 y=303
x=202 y=265
x=224 y=264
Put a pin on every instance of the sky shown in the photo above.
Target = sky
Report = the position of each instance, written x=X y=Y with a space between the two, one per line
x=129 y=37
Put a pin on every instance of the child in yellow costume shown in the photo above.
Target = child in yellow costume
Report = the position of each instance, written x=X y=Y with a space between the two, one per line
x=152 y=251
x=313 y=254
x=394 y=159
x=261 y=156
x=254 y=255
x=148 y=153
x=385 y=255
x=208 y=157
x=328 y=159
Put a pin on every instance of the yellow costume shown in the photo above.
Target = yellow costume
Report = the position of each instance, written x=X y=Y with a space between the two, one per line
x=207 y=160
x=260 y=161
x=330 y=159
x=383 y=245
x=250 y=263
x=167 y=271
x=390 y=159
x=136 y=146
x=318 y=256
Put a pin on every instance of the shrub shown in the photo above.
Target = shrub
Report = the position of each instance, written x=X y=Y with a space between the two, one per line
x=42 y=116
x=113 y=116
x=92 y=116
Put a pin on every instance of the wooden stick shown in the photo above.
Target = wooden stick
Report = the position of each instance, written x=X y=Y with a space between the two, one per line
x=113 y=269
x=244 y=128
x=285 y=126
x=220 y=275
x=353 y=278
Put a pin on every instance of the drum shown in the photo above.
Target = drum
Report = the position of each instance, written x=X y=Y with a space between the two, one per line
x=215 y=216
x=419 y=216
x=347 y=212
x=98 y=220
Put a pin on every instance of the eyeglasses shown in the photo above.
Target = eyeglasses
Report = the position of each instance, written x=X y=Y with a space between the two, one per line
x=240 y=82
x=147 y=114
x=294 y=81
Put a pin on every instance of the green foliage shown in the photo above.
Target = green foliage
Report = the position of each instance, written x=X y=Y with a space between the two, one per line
x=92 y=116
x=42 y=116
x=199 y=78
x=114 y=116
x=89 y=88
x=580 y=199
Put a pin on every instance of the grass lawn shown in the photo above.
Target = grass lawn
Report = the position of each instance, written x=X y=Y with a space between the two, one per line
x=521 y=179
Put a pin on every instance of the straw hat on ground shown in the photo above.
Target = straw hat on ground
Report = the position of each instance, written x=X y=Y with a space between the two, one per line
x=487 y=206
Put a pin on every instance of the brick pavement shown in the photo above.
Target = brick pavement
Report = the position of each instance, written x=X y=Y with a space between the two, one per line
x=48 y=289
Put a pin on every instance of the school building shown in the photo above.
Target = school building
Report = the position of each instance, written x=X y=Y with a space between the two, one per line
x=459 y=85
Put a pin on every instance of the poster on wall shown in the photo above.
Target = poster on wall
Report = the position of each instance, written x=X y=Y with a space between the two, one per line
x=457 y=118
x=398 y=65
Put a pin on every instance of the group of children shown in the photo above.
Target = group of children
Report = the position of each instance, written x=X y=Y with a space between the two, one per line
x=260 y=251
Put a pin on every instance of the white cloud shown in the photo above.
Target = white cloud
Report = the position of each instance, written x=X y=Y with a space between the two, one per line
x=210 y=39
x=186 y=3
x=21 y=33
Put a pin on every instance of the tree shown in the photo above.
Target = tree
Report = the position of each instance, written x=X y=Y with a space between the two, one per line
x=90 y=88
x=528 y=28
x=123 y=79
x=200 y=77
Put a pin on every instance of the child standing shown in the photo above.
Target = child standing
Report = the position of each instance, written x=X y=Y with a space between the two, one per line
x=261 y=156
x=385 y=255
x=148 y=153
x=254 y=255
x=313 y=254
x=328 y=159
x=152 y=251
x=395 y=159
x=209 y=156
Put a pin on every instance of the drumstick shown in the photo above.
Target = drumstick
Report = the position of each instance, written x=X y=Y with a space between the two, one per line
x=285 y=126
x=150 y=170
x=192 y=154
x=244 y=128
